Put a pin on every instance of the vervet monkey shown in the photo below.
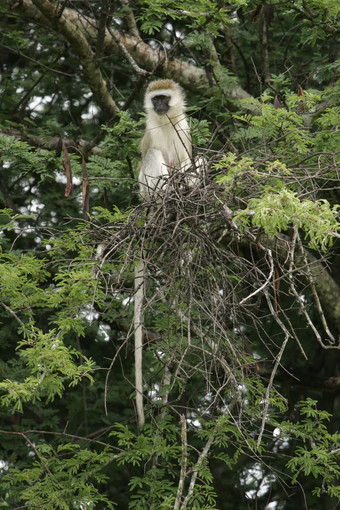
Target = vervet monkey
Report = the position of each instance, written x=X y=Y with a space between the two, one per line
x=166 y=146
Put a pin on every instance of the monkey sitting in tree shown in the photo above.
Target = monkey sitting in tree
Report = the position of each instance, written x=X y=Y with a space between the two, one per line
x=166 y=144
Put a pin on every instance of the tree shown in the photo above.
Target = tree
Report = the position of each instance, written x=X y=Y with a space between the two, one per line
x=242 y=314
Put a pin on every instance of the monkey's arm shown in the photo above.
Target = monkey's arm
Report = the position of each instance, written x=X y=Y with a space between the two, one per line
x=145 y=143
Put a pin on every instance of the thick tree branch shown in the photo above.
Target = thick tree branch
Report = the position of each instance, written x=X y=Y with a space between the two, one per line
x=102 y=22
x=73 y=145
x=130 y=19
x=62 y=23
x=80 y=29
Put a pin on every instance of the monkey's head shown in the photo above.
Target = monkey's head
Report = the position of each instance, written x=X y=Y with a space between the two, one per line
x=161 y=103
x=164 y=97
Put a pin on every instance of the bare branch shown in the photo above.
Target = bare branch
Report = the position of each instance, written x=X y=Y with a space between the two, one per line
x=201 y=458
x=117 y=39
x=272 y=375
x=266 y=283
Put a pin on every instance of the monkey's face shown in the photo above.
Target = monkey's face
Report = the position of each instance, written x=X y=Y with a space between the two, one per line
x=161 y=103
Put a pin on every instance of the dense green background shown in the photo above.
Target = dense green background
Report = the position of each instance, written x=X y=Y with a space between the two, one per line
x=242 y=317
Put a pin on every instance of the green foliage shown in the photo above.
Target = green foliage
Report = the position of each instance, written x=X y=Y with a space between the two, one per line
x=61 y=478
x=200 y=14
x=273 y=123
x=319 y=453
x=232 y=169
x=226 y=339
x=276 y=210
x=153 y=487
x=200 y=132
x=21 y=278
x=50 y=364
x=278 y=207
x=23 y=159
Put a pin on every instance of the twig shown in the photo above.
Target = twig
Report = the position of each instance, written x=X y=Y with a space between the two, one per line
x=125 y=52
x=196 y=468
x=260 y=289
x=272 y=375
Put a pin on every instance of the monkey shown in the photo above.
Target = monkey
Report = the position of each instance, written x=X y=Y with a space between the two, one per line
x=166 y=146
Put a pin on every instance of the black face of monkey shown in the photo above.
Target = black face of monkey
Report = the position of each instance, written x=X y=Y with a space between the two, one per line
x=161 y=104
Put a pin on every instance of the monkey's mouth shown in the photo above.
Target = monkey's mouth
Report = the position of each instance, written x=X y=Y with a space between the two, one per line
x=161 y=109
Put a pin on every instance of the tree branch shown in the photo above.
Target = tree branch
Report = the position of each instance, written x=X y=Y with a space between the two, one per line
x=75 y=35
x=80 y=29
x=201 y=458
x=328 y=290
x=82 y=146
x=130 y=19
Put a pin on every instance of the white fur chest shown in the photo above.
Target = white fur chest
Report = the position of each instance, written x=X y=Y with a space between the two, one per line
x=172 y=138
